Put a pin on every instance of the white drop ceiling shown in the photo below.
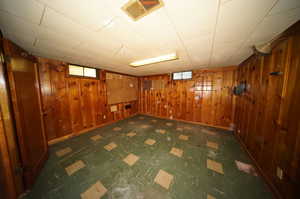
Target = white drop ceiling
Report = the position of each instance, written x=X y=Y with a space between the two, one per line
x=97 y=33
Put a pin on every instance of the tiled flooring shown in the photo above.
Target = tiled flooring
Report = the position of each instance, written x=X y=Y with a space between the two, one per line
x=149 y=158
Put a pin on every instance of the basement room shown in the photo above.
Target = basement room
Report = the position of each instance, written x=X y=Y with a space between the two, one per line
x=150 y=99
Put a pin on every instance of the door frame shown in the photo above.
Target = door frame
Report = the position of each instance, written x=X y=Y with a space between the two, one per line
x=9 y=151
x=28 y=179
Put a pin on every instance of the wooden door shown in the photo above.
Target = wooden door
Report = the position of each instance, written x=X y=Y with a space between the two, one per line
x=89 y=100
x=24 y=85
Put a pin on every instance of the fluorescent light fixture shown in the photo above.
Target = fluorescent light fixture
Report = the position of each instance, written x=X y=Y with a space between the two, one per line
x=153 y=60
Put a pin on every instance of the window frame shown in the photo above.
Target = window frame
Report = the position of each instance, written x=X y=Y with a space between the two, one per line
x=82 y=76
x=181 y=72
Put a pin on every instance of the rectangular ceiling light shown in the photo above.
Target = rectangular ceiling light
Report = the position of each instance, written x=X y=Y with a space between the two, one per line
x=153 y=60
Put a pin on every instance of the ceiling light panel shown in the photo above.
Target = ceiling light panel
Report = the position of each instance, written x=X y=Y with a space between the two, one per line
x=153 y=60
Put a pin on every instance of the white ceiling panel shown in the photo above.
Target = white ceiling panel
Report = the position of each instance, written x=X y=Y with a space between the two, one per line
x=237 y=19
x=284 y=5
x=186 y=14
x=98 y=33
x=93 y=14
x=224 y=51
x=12 y=23
x=62 y=25
x=28 y=10
x=199 y=49
x=275 y=23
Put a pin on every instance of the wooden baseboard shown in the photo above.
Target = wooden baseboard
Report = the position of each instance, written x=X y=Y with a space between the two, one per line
x=192 y=122
x=77 y=133
x=267 y=180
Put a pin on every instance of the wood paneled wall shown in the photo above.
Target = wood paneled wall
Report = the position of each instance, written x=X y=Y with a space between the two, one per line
x=73 y=104
x=268 y=115
x=206 y=99
x=9 y=152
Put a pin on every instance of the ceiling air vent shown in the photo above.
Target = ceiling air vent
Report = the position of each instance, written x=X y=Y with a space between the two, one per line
x=137 y=9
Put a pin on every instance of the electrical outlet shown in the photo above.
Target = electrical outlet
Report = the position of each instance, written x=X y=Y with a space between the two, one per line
x=279 y=173
x=104 y=116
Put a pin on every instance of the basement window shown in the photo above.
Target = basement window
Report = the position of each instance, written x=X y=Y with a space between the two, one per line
x=81 y=71
x=183 y=75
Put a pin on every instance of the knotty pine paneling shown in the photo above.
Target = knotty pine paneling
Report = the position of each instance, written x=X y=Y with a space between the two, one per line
x=267 y=115
x=207 y=98
x=73 y=104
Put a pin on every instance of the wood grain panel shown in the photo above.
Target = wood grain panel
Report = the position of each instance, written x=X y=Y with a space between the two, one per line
x=71 y=105
x=10 y=182
x=207 y=98
x=267 y=115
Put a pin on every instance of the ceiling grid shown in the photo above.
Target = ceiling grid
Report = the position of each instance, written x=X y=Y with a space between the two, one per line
x=99 y=33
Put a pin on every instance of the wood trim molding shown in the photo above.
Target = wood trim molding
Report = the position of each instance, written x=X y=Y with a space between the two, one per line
x=191 y=122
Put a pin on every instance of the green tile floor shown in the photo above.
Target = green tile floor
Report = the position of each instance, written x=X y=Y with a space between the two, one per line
x=191 y=177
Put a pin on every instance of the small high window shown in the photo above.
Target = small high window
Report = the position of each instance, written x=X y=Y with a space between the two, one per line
x=183 y=75
x=82 y=71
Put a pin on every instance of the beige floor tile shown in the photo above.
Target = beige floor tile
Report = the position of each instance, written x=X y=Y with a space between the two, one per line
x=215 y=166
x=177 y=152
x=131 y=159
x=169 y=124
x=71 y=169
x=179 y=129
x=208 y=132
x=145 y=126
x=131 y=134
x=210 y=197
x=188 y=128
x=96 y=137
x=110 y=146
x=96 y=191
x=117 y=129
x=63 y=152
x=212 y=145
x=164 y=179
x=161 y=131
x=150 y=141
x=183 y=137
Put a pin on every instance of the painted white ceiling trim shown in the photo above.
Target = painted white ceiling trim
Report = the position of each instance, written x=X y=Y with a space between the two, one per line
x=204 y=33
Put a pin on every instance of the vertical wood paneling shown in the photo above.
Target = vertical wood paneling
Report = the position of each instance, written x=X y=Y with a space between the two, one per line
x=73 y=104
x=207 y=98
x=267 y=115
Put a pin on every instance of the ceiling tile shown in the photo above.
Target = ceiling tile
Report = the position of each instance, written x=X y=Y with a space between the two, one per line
x=193 y=18
x=62 y=25
x=284 y=5
x=223 y=51
x=237 y=19
x=95 y=14
x=31 y=10
x=100 y=34
x=276 y=24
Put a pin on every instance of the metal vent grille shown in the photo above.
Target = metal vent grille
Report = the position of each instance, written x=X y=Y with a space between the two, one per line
x=137 y=9
x=149 y=4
